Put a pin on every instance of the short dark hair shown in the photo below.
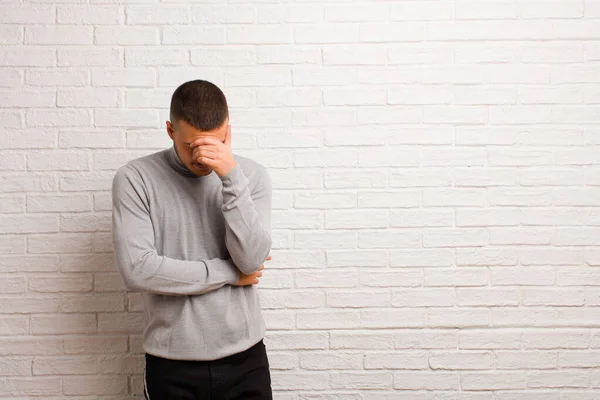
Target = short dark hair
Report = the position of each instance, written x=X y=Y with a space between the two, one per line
x=199 y=103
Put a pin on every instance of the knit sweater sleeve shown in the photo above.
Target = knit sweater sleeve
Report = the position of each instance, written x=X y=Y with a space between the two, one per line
x=247 y=214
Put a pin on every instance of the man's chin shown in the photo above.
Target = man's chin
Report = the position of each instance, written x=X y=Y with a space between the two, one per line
x=201 y=170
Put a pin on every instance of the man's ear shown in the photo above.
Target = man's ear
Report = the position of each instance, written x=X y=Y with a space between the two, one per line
x=170 y=129
x=227 y=140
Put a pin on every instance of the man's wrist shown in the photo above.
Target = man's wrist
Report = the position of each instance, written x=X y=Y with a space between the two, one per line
x=233 y=175
x=228 y=170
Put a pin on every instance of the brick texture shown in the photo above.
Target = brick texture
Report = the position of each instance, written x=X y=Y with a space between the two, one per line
x=436 y=189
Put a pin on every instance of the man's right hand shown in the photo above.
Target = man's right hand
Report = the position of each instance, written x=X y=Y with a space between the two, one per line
x=252 y=279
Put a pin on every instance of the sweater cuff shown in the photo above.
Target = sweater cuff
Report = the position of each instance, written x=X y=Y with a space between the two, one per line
x=224 y=271
x=234 y=178
x=232 y=273
x=233 y=277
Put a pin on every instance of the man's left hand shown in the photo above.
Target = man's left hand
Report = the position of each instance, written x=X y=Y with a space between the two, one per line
x=214 y=153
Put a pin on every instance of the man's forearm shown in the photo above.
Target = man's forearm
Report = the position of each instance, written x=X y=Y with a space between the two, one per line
x=163 y=275
x=247 y=236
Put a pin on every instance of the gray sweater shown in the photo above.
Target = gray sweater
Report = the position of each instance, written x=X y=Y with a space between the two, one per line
x=180 y=240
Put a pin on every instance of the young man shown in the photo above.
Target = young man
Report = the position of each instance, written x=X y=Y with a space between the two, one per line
x=191 y=232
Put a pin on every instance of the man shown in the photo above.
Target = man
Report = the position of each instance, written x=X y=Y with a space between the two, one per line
x=191 y=232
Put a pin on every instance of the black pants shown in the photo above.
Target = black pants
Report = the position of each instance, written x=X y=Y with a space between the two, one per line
x=242 y=376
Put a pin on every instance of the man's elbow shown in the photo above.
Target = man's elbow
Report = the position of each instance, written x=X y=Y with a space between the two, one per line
x=132 y=275
x=251 y=257
x=130 y=283
x=248 y=268
x=251 y=264
x=132 y=280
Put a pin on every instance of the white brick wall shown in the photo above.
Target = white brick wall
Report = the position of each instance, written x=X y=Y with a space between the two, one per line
x=436 y=169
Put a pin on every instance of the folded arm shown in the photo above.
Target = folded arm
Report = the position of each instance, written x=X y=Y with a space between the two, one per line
x=138 y=261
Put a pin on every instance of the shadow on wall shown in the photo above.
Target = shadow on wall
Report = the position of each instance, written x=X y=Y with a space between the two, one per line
x=97 y=322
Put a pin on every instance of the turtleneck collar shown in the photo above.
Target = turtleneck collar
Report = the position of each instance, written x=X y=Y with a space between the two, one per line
x=178 y=165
